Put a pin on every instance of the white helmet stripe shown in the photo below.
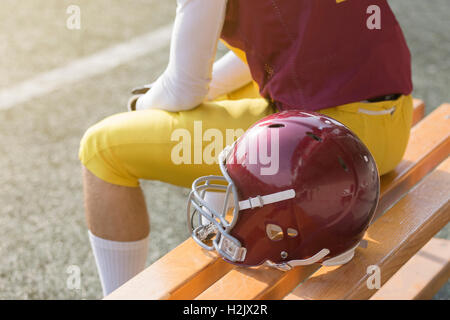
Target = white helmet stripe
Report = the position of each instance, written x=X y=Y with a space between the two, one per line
x=260 y=201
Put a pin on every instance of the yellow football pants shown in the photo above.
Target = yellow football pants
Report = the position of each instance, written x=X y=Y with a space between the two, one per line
x=126 y=147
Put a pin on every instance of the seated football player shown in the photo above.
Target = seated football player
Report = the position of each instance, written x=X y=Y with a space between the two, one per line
x=337 y=58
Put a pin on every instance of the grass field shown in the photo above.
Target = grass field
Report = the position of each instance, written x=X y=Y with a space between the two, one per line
x=42 y=228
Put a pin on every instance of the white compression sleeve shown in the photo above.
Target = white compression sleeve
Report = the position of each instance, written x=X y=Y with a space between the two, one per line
x=229 y=73
x=184 y=83
x=117 y=261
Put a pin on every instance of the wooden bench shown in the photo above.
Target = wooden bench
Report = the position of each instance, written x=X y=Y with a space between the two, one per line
x=414 y=206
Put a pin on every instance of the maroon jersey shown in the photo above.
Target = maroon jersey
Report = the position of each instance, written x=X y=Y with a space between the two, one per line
x=317 y=54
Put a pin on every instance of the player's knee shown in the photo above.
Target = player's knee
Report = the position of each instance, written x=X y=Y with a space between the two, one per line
x=98 y=155
x=94 y=140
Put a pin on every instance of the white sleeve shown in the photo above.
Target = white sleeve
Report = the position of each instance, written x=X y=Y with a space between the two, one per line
x=184 y=84
x=229 y=73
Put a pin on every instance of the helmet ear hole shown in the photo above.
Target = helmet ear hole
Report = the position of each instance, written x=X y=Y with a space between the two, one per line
x=291 y=232
x=314 y=136
x=274 y=232
x=276 y=125
x=342 y=163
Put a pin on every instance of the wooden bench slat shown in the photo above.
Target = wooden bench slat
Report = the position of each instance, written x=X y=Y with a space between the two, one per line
x=393 y=239
x=425 y=153
x=429 y=144
x=167 y=277
x=422 y=276
x=419 y=111
x=255 y=283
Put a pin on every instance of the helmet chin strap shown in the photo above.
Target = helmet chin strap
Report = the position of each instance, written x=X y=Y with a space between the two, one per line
x=286 y=266
x=341 y=259
x=315 y=258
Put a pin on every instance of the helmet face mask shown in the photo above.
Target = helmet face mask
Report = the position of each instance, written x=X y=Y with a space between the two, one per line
x=314 y=209
x=213 y=227
x=212 y=230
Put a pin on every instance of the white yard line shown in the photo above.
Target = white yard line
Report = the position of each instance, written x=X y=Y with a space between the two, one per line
x=86 y=67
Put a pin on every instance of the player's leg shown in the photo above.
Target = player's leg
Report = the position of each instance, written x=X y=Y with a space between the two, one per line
x=106 y=199
x=119 y=213
x=123 y=207
x=383 y=126
x=126 y=147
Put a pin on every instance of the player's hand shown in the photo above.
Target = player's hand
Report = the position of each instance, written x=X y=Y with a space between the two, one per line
x=131 y=106
x=142 y=89
x=137 y=92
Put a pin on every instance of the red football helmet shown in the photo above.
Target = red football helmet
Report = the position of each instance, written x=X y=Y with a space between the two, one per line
x=297 y=188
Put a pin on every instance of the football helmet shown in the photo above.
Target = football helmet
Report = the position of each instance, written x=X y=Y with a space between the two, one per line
x=297 y=188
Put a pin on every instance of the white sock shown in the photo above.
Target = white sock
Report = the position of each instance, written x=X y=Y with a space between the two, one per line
x=118 y=261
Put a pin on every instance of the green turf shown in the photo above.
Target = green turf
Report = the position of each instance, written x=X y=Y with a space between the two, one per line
x=34 y=37
x=426 y=27
x=41 y=217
